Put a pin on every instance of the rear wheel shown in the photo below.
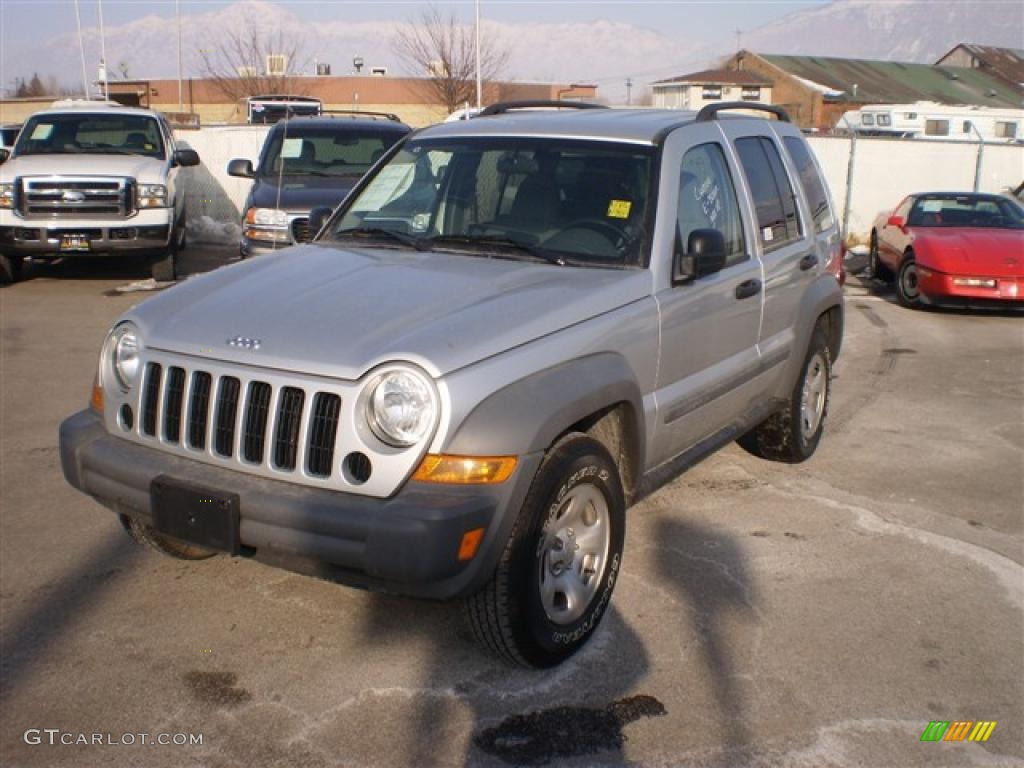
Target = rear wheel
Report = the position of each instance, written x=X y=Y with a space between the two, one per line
x=556 y=575
x=10 y=269
x=908 y=290
x=165 y=545
x=792 y=434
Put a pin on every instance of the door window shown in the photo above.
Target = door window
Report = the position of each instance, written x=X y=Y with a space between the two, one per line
x=817 y=197
x=707 y=200
x=775 y=205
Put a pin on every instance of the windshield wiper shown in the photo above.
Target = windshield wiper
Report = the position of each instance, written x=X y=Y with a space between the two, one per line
x=419 y=243
x=501 y=240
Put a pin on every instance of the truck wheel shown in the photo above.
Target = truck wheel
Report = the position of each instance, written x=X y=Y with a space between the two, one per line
x=10 y=269
x=146 y=534
x=792 y=434
x=165 y=267
x=556 y=575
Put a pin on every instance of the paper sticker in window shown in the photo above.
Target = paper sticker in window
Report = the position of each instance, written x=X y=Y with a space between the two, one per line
x=42 y=132
x=291 y=149
x=766 y=234
x=619 y=209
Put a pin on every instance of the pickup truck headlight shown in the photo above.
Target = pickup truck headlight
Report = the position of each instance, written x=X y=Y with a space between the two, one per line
x=267 y=224
x=121 y=355
x=6 y=195
x=402 y=407
x=151 y=196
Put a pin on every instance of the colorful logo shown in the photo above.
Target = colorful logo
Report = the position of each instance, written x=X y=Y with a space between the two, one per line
x=958 y=730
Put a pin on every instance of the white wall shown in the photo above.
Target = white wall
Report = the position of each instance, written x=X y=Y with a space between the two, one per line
x=885 y=171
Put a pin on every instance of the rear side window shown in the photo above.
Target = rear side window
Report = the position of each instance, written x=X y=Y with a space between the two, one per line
x=777 y=220
x=817 y=197
x=707 y=200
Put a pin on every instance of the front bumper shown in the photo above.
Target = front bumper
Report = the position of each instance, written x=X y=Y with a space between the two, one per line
x=407 y=544
x=147 y=230
x=939 y=288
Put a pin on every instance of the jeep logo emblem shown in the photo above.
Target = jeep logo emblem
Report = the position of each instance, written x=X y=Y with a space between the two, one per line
x=244 y=342
x=73 y=196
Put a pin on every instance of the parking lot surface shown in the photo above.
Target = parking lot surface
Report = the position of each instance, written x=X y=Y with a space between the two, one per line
x=767 y=615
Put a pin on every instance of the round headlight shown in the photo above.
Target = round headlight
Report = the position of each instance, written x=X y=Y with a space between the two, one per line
x=402 y=407
x=124 y=355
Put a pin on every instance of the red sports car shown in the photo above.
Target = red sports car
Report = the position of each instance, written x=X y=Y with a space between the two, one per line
x=951 y=248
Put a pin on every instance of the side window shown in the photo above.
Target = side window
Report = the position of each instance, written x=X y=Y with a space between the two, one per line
x=817 y=197
x=777 y=220
x=707 y=200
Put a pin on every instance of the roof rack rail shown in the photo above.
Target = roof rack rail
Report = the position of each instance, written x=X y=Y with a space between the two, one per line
x=361 y=113
x=710 y=112
x=502 y=107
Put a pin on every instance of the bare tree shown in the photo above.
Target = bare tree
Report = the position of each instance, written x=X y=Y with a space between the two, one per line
x=445 y=51
x=248 y=62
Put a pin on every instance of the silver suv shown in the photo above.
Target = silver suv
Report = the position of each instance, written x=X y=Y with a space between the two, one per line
x=508 y=332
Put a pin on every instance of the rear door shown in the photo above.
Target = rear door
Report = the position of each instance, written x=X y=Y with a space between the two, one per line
x=709 y=326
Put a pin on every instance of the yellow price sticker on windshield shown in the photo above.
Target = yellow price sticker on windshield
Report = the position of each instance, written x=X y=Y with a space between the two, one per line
x=619 y=209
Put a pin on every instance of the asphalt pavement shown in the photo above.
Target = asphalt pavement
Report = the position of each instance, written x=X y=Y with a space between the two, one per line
x=767 y=615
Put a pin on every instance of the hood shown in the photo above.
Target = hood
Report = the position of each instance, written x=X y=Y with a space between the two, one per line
x=147 y=170
x=338 y=313
x=985 y=252
x=301 y=194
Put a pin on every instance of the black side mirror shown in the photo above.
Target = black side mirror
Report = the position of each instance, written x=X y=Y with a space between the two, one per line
x=705 y=255
x=186 y=157
x=241 y=168
x=4 y=154
x=317 y=218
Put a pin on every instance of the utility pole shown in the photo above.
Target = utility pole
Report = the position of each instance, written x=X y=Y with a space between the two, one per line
x=177 y=13
x=479 y=83
x=739 y=37
x=81 y=51
x=103 y=55
x=629 y=91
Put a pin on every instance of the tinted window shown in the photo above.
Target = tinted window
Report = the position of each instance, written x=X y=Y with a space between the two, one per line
x=777 y=221
x=707 y=200
x=325 y=151
x=817 y=197
x=78 y=133
x=965 y=211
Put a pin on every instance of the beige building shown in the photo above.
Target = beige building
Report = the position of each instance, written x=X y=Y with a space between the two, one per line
x=699 y=89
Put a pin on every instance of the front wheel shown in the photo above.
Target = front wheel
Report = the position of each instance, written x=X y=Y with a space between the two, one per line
x=10 y=269
x=792 y=434
x=165 y=545
x=555 y=578
x=908 y=290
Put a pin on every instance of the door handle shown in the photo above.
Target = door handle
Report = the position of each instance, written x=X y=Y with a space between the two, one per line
x=808 y=261
x=748 y=288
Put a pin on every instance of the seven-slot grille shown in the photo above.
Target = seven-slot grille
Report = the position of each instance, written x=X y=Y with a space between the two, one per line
x=281 y=427
x=76 y=197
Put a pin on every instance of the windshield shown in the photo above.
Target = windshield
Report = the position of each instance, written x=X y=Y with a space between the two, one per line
x=568 y=201
x=966 y=211
x=104 y=134
x=330 y=151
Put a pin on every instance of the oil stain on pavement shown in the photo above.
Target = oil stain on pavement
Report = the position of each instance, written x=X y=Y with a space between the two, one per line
x=216 y=688
x=537 y=738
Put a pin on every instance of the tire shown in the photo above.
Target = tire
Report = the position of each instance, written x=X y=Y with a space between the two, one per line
x=164 y=267
x=146 y=534
x=10 y=269
x=876 y=268
x=792 y=434
x=907 y=290
x=552 y=584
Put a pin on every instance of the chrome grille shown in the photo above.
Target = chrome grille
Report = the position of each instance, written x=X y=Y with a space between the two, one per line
x=300 y=230
x=76 y=196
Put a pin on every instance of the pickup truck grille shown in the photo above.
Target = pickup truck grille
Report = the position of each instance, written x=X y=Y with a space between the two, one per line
x=241 y=419
x=75 y=196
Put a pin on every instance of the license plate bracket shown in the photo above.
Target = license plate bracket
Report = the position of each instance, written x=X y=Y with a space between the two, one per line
x=74 y=241
x=196 y=514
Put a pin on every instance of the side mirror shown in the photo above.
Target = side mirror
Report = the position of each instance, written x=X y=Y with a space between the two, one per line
x=4 y=154
x=186 y=157
x=317 y=218
x=705 y=255
x=241 y=168
x=895 y=221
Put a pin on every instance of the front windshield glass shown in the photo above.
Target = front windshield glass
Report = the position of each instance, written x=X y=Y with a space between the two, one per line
x=92 y=133
x=988 y=211
x=567 y=201
x=344 y=152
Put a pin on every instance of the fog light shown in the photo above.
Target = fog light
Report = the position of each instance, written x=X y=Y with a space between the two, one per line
x=975 y=282
x=126 y=417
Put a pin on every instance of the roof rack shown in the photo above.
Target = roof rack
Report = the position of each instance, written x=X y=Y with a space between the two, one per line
x=507 y=106
x=710 y=112
x=361 y=113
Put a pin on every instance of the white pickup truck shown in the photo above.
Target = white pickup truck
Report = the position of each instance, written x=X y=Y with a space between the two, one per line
x=92 y=178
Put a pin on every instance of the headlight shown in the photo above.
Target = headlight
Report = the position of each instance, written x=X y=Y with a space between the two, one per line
x=122 y=355
x=151 y=196
x=6 y=195
x=402 y=407
x=269 y=224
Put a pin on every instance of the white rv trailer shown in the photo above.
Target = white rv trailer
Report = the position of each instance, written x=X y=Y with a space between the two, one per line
x=928 y=120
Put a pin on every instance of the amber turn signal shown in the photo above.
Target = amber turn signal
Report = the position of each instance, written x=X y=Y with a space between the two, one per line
x=96 y=401
x=465 y=470
x=470 y=544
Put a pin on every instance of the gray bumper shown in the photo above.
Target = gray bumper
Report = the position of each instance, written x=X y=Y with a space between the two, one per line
x=45 y=240
x=407 y=544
